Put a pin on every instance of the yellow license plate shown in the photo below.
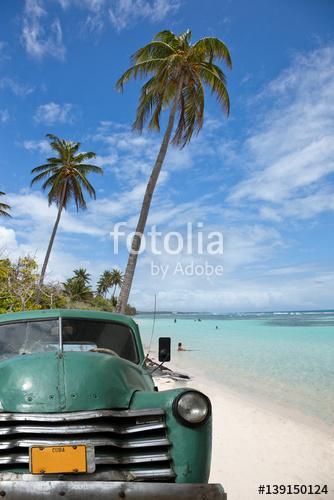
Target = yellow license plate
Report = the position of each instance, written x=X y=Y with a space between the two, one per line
x=58 y=459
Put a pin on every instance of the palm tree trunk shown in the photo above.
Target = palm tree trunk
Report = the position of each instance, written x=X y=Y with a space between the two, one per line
x=136 y=241
x=53 y=234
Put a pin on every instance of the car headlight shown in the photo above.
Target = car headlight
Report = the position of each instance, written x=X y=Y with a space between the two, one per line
x=192 y=408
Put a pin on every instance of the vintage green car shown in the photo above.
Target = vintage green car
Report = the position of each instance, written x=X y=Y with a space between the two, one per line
x=80 y=416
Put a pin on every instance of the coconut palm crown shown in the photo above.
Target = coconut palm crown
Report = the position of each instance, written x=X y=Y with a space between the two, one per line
x=178 y=71
x=65 y=175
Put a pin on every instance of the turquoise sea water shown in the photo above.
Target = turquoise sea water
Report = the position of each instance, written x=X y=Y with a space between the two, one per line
x=286 y=359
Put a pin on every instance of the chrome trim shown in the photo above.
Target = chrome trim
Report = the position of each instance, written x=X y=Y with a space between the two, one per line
x=84 y=429
x=17 y=458
x=79 y=415
x=132 y=459
x=114 y=475
x=39 y=488
x=90 y=457
x=24 y=443
x=14 y=459
x=129 y=445
x=163 y=473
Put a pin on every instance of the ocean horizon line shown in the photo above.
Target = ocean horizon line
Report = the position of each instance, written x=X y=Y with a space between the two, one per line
x=238 y=313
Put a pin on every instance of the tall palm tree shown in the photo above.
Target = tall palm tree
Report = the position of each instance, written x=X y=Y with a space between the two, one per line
x=4 y=208
x=105 y=283
x=178 y=71
x=101 y=288
x=65 y=176
x=117 y=279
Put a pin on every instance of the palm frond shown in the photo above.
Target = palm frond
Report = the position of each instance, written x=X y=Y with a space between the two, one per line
x=40 y=176
x=191 y=113
x=4 y=208
x=140 y=69
x=84 y=156
x=185 y=37
x=146 y=104
x=45 y=167
x=166 y=36
x=213 y=48
x=156 y=49
x=85 y=168
x=85 y=182
x=216 y=85
x=76 y=191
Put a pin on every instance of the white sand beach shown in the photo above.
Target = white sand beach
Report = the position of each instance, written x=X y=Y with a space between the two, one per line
x=254 y=445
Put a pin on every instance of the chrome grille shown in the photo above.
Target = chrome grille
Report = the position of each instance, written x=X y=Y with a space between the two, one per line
x=129 y=444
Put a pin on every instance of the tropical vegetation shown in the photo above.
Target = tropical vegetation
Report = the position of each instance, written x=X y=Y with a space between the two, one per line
x=178 y=72
x=77 y=288
x=20 y=290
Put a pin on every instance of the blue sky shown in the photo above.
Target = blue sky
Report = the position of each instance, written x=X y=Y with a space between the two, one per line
x=264 y=177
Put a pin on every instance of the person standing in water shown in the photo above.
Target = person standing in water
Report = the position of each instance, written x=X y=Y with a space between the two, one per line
x=180 y=347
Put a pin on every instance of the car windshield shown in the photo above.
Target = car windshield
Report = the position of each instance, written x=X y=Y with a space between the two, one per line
x=27 y=337
x=84 y=334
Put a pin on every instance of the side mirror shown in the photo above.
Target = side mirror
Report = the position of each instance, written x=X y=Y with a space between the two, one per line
x=164 y=349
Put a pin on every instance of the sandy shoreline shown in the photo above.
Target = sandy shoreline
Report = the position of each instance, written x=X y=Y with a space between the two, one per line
x=253 y=445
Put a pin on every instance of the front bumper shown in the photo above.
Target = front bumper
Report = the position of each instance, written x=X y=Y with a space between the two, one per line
x=99 y=490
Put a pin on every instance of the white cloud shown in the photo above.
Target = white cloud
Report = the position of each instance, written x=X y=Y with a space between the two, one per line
x=51 y=113
x=4 y=115
x=238 y=295
x=18 y=88
x=126 y=12
x=61 y=264
x=42 y=146
x=96 y=17
x=131 y=156
x=30 y=209
x=40 y=36
x=291 y=153
x=8 y=243
x=29 y=229
x=92 y=5
x=121 y=13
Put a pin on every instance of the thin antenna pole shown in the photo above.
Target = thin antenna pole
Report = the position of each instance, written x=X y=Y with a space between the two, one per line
x=153 y=326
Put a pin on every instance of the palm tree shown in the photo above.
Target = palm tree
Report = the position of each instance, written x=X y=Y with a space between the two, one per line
x=82 y=274
x=77 y=290
x=117 y=279
x=65 y=176
x=105 y=283
x=4 y=207
x=101 y=288
x=179 y=71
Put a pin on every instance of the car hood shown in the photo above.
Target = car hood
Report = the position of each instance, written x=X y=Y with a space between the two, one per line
x=71 y=381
